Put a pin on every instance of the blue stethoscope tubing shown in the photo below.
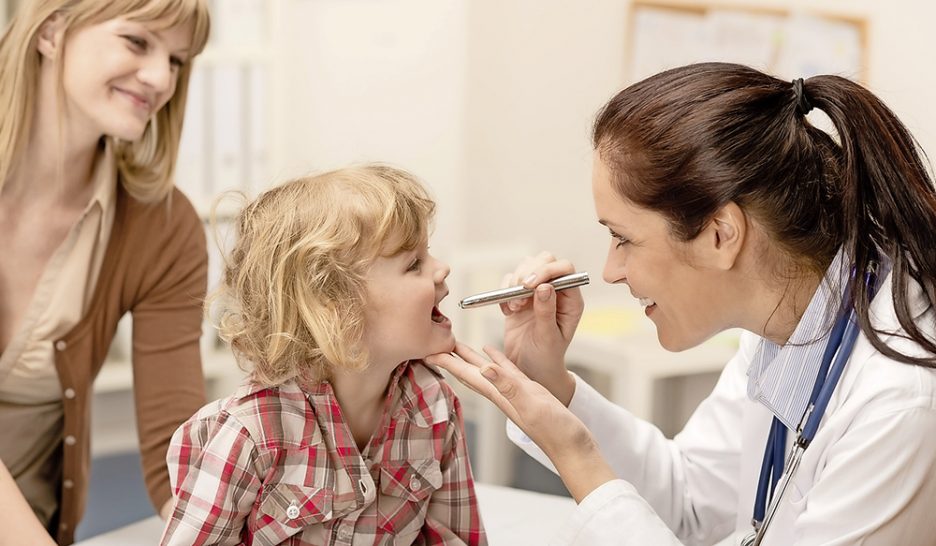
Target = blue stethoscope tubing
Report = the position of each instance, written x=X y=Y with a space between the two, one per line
x=837 y=352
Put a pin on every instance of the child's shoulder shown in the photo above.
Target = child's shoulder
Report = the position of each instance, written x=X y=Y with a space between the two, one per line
x=270 y=416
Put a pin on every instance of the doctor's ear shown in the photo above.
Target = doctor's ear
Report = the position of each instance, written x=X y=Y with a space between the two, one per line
x=723 y=238
x=50 y=36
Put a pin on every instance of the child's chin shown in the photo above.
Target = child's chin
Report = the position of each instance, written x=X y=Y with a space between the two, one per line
x=447 y=346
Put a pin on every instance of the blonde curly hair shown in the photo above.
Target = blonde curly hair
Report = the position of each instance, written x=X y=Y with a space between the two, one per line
x=291 y=301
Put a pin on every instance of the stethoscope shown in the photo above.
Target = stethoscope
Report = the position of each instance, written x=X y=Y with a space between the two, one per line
x=841 y=343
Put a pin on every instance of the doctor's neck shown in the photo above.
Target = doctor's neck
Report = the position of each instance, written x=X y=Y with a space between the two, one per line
x=778 y=310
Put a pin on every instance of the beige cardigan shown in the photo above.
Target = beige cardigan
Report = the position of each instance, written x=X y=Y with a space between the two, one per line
x=155 y=267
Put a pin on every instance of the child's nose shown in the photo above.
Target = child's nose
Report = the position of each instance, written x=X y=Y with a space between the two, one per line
x=442 y=272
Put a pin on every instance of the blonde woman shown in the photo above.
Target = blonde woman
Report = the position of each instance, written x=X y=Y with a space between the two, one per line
x=330 y=300
x=91 y=104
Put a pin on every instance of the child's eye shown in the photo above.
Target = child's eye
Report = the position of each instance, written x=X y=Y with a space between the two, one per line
x=136 y=41
x=415 y=266
x=176 y=62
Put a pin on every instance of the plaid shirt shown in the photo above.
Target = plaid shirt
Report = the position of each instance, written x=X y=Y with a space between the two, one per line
x=280 y=466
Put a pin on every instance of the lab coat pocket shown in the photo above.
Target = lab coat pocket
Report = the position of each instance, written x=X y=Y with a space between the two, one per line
x=406 y=487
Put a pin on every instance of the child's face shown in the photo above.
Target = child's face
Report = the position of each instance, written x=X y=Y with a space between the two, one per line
x=402 y=317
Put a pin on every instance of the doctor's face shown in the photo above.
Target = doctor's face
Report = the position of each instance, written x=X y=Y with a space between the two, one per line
x=657 y=269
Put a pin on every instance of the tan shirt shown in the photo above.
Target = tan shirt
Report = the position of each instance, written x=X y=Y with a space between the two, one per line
x=30 y=392
x=154 y=267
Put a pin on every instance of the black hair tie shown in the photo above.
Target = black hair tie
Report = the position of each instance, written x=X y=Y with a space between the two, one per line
x=802 y=103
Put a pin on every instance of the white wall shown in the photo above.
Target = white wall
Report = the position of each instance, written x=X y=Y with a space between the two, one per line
x=375 y=80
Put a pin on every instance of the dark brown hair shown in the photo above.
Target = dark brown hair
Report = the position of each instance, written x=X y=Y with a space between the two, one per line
x=689 y=140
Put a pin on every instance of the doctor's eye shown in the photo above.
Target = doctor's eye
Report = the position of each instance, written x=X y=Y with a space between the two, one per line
x=620 y=240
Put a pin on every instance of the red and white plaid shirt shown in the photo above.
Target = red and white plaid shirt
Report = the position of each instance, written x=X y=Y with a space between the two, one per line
x=280 y=466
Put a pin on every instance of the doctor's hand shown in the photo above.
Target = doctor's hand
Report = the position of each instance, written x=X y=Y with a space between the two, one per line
x=538 y=330
x=557 y=431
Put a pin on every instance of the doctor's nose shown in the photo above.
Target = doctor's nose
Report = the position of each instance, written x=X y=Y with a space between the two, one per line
x=613 y=272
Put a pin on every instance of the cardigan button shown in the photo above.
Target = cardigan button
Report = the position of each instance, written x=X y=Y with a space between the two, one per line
x=69 y=393
x=68 y=484
x=70 y=440
x=60 y=345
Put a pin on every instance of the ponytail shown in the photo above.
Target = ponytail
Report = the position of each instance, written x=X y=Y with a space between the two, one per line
x=888 y=202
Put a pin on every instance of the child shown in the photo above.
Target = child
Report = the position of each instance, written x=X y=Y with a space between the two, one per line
x=341 y=435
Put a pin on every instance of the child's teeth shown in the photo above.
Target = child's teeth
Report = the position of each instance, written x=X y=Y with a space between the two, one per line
x=646 y=302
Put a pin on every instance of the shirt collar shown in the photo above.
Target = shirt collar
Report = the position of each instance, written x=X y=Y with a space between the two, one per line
x=782 y=377
x=104 y=179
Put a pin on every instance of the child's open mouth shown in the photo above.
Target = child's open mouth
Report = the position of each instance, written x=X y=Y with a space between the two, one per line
x=438 y=317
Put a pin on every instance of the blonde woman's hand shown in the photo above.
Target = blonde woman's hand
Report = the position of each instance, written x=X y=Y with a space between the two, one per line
x=557 y=431
x=538 y=330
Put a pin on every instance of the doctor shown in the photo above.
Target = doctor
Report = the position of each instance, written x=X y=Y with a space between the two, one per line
x=727 y=209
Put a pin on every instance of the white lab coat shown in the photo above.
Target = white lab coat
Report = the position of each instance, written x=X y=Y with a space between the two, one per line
x=868 y=478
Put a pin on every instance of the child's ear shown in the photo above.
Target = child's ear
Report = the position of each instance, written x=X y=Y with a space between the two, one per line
x=50 y=37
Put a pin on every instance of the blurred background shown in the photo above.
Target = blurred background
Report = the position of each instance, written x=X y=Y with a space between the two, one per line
x=490 y=102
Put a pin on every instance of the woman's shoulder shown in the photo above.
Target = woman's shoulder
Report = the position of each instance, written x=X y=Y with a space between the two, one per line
x=174 y=211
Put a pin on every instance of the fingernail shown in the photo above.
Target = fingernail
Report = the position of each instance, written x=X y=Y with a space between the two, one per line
x=489 y=373
x=543 y=293
x=530 y=278
x=514 y=305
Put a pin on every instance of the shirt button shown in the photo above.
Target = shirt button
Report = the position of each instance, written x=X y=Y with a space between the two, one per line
x=415 y=484
x=69 y=393
x=60 y=345
x=293 y=511
x=344 y=533
x=70 y=440
x=68 y=484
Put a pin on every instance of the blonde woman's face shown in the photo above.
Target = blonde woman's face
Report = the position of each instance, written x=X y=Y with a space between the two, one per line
x=402 y=316
x=117 y=74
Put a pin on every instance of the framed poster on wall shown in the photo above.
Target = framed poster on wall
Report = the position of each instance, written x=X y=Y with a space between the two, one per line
x=784 y=42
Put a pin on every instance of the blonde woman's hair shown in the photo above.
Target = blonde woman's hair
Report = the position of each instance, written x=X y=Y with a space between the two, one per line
x=146 y=166
x=291 y=301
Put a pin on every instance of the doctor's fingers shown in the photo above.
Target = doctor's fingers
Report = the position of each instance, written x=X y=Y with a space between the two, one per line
x=525 y=268
x=541 y=269
x=469 y=375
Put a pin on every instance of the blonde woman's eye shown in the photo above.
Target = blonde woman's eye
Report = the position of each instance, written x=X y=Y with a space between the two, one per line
x=136 y=41
x=417 y=263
